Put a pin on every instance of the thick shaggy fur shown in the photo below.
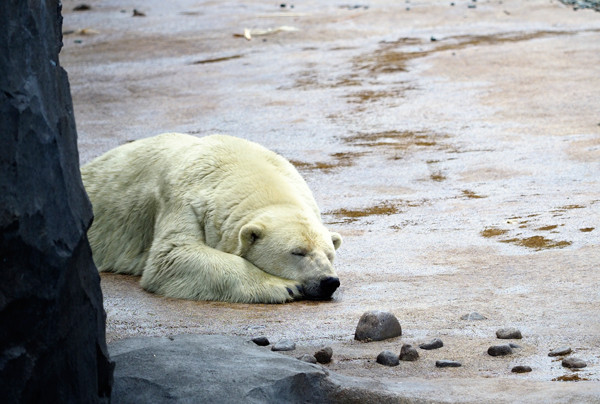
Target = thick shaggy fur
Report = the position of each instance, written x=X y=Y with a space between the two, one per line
x=213 y=218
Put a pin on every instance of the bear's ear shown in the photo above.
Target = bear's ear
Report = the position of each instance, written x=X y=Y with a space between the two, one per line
x=337 y=240
x=248 y=236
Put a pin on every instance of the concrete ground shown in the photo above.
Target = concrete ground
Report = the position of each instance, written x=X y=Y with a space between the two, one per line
x=456 y=149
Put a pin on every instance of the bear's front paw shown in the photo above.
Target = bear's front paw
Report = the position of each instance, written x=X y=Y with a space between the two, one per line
x=295 y=292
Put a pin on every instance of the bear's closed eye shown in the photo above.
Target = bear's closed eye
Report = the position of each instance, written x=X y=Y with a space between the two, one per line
x=299 y=252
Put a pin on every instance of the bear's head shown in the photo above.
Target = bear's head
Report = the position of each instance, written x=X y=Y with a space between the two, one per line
x=293 y=246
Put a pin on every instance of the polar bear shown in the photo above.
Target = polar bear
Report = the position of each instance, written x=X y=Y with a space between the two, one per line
x=212 y=218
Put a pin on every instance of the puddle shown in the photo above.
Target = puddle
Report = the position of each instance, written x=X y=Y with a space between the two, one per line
x=493 y=232
x=351 y=215
x=394 y=139
x=537 y=242
x=470 y=194
x=388 y=59
x=216 y=60
x=569 y=378
x=341 y=159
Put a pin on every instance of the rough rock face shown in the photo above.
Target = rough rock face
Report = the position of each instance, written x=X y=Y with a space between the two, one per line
x=52 y=345
x=224 y=369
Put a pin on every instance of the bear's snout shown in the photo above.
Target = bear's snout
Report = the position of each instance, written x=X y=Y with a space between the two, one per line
x=322 y=290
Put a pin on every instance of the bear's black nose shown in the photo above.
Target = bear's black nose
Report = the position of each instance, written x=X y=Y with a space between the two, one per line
x=328 y=286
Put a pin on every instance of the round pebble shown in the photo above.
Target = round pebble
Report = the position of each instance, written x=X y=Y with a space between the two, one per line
x=434 y=344
x=408 y=353
x=473 y=316
x=573 y=363
x=509 y=333
x=308 y=358
x=388 y=358
x=565 y=350
x=284 y=345
x=261 y=341
x=447 y=364
x=377 y=326
x=499 y=350
x=324 y=355
x=521 y=369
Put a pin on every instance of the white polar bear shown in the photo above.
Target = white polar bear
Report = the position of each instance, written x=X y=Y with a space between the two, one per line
x=213 y=218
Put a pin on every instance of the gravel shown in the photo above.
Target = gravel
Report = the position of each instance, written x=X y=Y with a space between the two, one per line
x=434 y=344
x=324 y=355
x=408 y=353
x=573 y=363
x=284 y=345
x=509 y=333
x=521 y=369
x=500 y=350
x=377 y=326
x=447 y=364
x=388 y=358
x=562 y=351
x=261 y=341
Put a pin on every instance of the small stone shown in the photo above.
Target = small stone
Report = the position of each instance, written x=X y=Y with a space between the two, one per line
x=499 y=350
x=137 y=13
x=514 y=346
x=324 y=355
x=388 y=358
x=308 y=358
x=261 y=341
x=377 y=326
x=408 y=353
x=573 y=363
x=82 y=7
x=473 y=316
x=509 y=333
x=565 y=350
x=447 y=364
x=471 y=6
x=434 y=344
x=521 y=369
x=284 y=345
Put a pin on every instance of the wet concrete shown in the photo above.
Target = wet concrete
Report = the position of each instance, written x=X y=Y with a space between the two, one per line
x=456 y=149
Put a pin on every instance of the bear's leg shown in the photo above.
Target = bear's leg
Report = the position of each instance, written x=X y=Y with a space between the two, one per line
x=196 y=271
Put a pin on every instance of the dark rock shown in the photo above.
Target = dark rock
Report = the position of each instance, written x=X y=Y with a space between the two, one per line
x=308 y=358
x=52 y=343
x=500 y=350
x=261 y=341
x=82 y=7
x=324 y=355
x=447 y=364
x=473 y=316
x=388 y=358
x=434 y=344
x=408 y=353
x=377 y=326
x=573 y=363
x=565 y=350
x=137 y=13
x=284 y=345
x=521 y=369
x=509 y=333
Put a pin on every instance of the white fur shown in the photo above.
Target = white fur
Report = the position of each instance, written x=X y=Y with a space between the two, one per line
x=213 y=218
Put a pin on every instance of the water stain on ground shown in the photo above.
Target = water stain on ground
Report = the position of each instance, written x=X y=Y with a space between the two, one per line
x=386 y=208
x=387 y=59
x=340 y=159
x=537 y=242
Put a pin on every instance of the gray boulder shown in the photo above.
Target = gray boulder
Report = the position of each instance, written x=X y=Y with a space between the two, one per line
x=377 y=326
x=52 y=344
